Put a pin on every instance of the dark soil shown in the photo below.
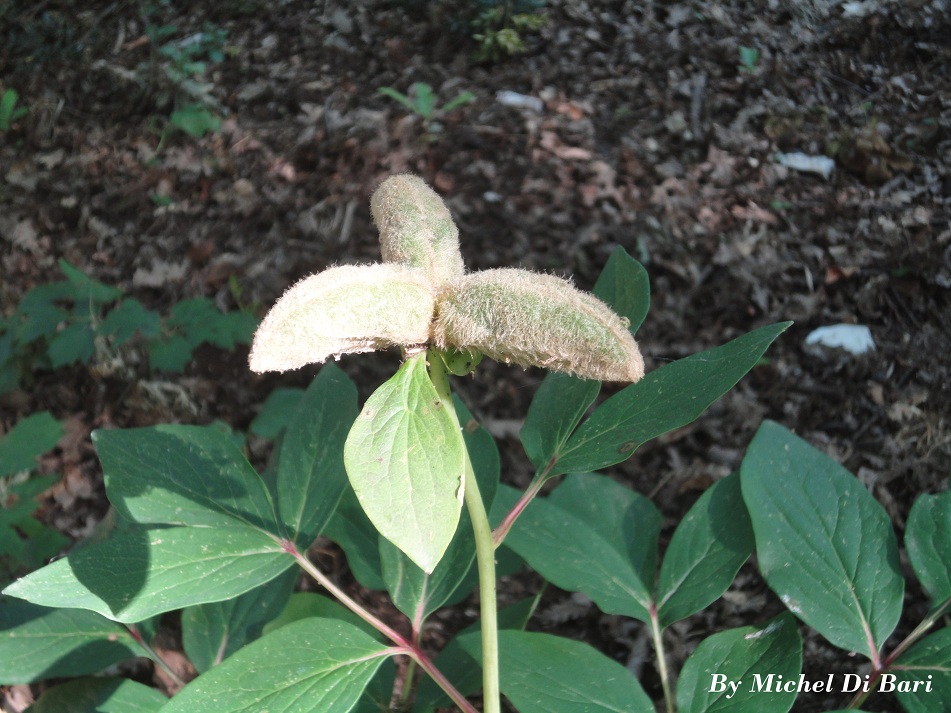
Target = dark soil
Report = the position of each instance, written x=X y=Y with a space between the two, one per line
x=649 y=135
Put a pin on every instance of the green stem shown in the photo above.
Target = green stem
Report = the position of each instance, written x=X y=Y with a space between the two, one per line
x=408 y=683
x=485 y=553
x=658 y=635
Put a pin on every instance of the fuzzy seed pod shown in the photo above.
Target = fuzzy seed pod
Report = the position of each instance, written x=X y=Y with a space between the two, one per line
x=520 y=317
x=344 y=310
x=416 y=228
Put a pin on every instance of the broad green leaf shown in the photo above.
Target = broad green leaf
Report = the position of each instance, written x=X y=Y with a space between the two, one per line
x=462 y=670
x=76 y=344
x=182 y=475
x=306 y=605
x=418 y=594
x=405 y=458
x=86 y=288
x=663 y=400
x=38 y=642
x=928 y=541
x=593 y=536
x=100 y=695
x=824 y=545
x=350 y=528
x=541 y=673
x=311 y=476
x=624 y=285
x=276 y=412
x=310 y=666
x=212 y=632
x=30 y=438
x=379 y=691
x=926 y=666
x=138 y=573
x=753 y=658
x=126 y=319
x=556 y=409
x=706 y=551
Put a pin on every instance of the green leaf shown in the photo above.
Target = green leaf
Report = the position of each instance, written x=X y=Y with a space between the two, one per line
x=625 y=287
x=595 y=536
x=663 y=400
x=424 y=99
x=310 y=666
x=824 y=545
x=171 y=354
x=398 y=96
x=406 y=461
x=305 y=605
x=86 y=289
x=379 y=692
x=30 y=438
x=194 y=319
x=194 y=119
x=39 y=317
x=457 y=101
x=75 y=344
x=25 y=542
x=556 y=409
x=182 y=475
x=418 y=594
x=706 y=551
x=541 y=673
x=37 y=642
x=311 y=476
x=926 y=666
x=212 y=632
x=141 y=572
x=100 y=695
x=276 y=412
x=128 y=318
x=750 y=657
x=350 y=528
x=230 y=328
x=928 y=541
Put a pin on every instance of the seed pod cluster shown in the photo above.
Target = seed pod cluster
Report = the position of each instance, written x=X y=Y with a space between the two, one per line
x=416 y=228
x=530 y=319
x=344 y=310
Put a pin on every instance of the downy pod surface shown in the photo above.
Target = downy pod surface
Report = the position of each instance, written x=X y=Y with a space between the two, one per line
x=344 y=310
x=531 y=319
x=416 y=228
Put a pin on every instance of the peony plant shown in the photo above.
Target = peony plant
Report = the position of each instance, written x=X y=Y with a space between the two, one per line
x=201 y=531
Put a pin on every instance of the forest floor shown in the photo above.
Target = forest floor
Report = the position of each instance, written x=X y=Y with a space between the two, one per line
x=659 y=127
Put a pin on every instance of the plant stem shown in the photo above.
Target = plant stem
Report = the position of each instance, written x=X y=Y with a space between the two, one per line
x=502 y=531
x=485 y=553
x=658 y=636
x=878 y=669
x=153 y=654
x=410 y=648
